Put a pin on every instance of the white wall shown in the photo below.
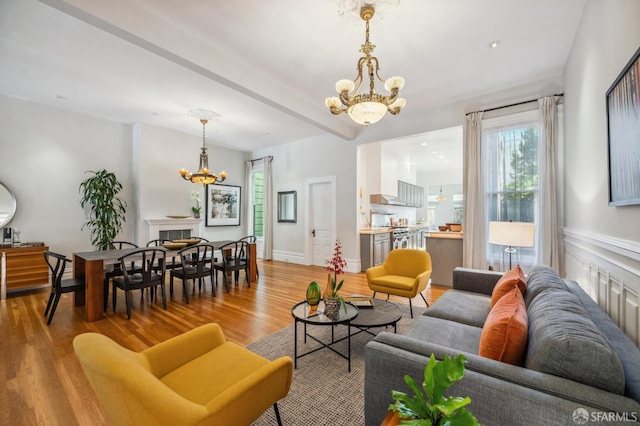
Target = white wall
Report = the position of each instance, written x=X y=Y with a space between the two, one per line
x=44 y=154
x=602 y=243
x=159 y=154
x=314 y=158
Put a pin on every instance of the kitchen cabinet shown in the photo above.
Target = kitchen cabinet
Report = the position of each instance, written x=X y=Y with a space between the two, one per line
x=374 y=249
x=412 y=195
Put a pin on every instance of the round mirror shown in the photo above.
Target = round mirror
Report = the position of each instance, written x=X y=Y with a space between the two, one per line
x=7 y=205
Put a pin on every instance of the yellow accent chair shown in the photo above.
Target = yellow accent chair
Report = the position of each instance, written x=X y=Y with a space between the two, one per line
x=404 y=273
x=196 y=378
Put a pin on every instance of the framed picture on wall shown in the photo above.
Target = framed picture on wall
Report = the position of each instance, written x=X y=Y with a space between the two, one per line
x=623 y=127
x=222 y=205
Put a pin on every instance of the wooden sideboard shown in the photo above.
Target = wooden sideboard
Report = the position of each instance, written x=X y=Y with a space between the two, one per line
x=22 y=267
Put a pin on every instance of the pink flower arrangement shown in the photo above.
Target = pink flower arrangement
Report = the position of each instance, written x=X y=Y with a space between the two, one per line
x=337 y=262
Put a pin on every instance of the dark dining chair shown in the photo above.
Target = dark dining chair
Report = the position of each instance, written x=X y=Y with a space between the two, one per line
x=145 y=275
x=195 y=264
x=232 y=261
x=117 y=271
x=57 y=263
x=158 y=243
x=252 y=240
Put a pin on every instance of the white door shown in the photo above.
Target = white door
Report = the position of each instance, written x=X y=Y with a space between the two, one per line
x=321 y=222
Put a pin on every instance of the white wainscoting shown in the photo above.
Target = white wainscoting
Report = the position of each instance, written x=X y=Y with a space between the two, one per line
x=608 y=269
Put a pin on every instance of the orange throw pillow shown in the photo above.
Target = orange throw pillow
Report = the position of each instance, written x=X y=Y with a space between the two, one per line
x=504 y=335
x=509 y=280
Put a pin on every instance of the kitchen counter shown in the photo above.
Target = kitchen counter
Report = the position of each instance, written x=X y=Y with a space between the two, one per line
x=445 y=234
x=378 y=230
x=369 y=231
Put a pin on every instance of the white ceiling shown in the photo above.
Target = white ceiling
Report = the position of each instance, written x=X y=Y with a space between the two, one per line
x=266 y=66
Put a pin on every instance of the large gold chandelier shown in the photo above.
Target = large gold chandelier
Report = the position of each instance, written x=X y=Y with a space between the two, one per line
x=203 y=176
x=367 y=108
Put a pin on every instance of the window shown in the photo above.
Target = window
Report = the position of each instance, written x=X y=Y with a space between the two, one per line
x=510 y=152
x=258 y=203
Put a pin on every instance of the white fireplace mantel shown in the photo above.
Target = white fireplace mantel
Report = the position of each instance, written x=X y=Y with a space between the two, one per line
x=157 y=225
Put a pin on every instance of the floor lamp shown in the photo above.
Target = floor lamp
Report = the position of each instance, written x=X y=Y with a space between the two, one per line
x=511 y=234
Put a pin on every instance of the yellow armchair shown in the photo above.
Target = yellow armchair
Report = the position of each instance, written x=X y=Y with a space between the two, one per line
x=404 y=273
x=196 y=378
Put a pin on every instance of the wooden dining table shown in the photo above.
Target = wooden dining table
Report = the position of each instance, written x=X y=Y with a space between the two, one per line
x=90 y=266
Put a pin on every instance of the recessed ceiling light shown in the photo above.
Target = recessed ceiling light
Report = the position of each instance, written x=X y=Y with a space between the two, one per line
x=440 y=156
x=424 y=144
x=494 y=44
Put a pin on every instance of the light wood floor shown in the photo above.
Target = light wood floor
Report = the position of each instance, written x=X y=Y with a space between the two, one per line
x=41 y=381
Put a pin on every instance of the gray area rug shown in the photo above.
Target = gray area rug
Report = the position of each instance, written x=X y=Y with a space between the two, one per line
x=322 y=390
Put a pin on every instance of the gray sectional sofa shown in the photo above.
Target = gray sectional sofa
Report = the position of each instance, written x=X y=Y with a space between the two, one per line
x=576 y=357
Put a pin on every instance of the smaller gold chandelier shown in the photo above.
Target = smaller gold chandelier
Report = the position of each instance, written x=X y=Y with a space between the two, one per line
x=203 y=176
x=367 y=108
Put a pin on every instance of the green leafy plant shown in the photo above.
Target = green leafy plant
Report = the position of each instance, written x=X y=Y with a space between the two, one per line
x=107 y=211
x=432 y=407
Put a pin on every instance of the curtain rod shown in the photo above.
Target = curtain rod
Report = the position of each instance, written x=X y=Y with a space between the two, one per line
x=511 y=105
x=262 y=158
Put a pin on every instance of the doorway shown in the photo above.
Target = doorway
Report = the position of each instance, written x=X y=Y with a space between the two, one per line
x=321 y=223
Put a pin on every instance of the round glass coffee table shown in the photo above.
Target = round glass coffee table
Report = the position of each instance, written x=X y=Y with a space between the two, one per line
x=375 y=313
x=301 y=313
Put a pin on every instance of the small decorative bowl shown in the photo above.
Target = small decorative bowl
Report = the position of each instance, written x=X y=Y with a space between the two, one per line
x=174 y=245
x=455 y=227
x=443 y=228
x=188 y=241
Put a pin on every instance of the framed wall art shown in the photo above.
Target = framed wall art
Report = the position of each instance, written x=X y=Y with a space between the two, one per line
x=623 y=127
x=222 y=205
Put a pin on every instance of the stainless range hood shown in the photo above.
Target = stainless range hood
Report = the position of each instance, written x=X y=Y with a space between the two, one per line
x=388 y=200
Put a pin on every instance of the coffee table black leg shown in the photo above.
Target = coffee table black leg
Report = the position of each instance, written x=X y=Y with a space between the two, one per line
x=295 y=343
x=349 y=345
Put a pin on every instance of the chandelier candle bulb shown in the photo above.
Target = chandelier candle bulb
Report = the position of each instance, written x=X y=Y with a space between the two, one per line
x=345 y=86
x=394 y=83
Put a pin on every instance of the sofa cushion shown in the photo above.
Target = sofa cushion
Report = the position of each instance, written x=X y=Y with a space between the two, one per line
x=504 y=336
x=509 y=280
x=626 y=350
x=540 y=278
x=461 y=306
x=565 y=342
x=460 y=337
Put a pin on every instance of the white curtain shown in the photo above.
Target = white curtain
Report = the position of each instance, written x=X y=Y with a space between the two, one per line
x=268 y=209
x=547 y=233
x=248 y=196
x=474 y=208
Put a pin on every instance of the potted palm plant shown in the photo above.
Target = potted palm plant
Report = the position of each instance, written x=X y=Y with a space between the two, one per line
x=106 y=209
x=432 y=407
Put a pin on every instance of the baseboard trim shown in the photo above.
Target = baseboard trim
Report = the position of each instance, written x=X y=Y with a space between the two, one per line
x=289 y=256
x=353 y=265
